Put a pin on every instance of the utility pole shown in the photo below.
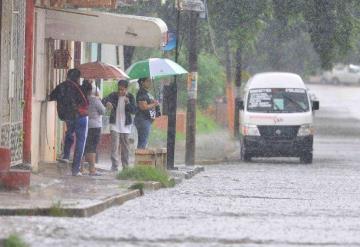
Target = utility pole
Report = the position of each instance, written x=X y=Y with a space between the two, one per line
x=192 y=92
x=172 y=103
x=229 y=87
x=237 y=91
x=98 y=81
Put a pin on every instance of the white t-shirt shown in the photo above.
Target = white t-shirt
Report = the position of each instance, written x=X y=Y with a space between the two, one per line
x=119 y=125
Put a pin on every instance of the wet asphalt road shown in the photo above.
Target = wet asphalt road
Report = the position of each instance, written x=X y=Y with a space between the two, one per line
x=267 y=202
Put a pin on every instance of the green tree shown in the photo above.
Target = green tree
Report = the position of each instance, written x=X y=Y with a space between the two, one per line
x=237 y=23
x=331 y=25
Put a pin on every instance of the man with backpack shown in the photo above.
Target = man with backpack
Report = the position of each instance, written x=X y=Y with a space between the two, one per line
x=72 y=108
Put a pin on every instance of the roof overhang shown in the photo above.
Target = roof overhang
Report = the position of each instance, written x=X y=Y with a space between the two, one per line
x=108 y=28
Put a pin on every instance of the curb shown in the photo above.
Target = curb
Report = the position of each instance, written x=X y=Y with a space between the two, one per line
x=73 y=212
x=153 y=185
x=216 y=162
x=185 y=172
x=150 y=185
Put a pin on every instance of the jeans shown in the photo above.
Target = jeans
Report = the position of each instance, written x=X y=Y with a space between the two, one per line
x=143 y=127
x=79 y=126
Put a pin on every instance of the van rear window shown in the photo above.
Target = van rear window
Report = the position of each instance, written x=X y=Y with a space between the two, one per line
x=279 y=100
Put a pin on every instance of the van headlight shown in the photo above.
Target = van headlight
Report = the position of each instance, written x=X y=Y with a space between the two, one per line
x=250 y=130
x=306 y=130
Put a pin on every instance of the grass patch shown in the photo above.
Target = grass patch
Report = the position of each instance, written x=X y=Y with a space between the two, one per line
x=138 y=186
x=56 y=210
x=158 y=137
x=180 y=136
x=14 y=241
x=146 y=173
x=205 y=124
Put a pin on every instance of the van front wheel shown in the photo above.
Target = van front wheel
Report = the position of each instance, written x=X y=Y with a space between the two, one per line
x=244 y=156
x=306 y=158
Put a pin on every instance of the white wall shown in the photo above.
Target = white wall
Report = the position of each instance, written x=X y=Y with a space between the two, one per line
x=43 y=113
x=108 y=54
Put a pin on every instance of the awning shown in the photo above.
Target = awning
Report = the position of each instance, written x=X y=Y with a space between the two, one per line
x=108 y=28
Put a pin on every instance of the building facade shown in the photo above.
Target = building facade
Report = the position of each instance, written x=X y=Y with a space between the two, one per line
x=32 y=32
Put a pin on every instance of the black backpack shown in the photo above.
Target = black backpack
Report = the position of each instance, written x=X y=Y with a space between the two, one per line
x=65 y=109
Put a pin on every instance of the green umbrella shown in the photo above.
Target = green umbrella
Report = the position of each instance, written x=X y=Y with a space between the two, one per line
x=154 y=68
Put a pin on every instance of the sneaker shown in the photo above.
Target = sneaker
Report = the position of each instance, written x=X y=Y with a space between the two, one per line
x=61 y=160
x=95 y=174
x=79 y=174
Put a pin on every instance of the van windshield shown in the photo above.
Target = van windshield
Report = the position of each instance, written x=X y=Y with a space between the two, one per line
x=279 y=100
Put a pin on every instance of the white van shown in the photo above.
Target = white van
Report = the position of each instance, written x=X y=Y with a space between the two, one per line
x=276 y=117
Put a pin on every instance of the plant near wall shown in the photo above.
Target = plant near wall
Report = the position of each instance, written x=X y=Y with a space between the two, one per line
x=146 y=173
x=57 y=210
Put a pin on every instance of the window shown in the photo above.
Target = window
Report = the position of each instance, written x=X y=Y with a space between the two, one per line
x=278 y=100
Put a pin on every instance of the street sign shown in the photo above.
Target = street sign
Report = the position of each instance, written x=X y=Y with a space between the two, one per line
x=192 y=85
x=171 y=43
x=191 y=5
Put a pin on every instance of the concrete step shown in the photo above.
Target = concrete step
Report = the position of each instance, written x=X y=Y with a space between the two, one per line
x=54 y=168
x=58 y=169
x=15 y=179
x=5 y=159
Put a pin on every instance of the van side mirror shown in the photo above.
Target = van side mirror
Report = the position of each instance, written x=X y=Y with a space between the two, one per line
x=240 y=104
x=315 y=105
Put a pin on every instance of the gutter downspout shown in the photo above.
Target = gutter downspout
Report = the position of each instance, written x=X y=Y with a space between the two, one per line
x=28 y=79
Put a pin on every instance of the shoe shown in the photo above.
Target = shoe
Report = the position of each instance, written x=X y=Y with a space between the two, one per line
x=82 y=169
x=79 y=174
x=61 y=160
x=114 y=169
x=95 y=173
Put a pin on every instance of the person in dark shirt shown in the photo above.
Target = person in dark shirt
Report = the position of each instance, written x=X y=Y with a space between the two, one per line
x=122 y=105
x=148 y=110
x=72 y=107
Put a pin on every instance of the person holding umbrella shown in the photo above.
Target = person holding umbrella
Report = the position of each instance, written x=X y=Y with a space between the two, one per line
x=148 y=110
x=148 y=107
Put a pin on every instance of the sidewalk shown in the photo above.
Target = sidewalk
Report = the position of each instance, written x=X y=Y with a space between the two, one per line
x=54 y=192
